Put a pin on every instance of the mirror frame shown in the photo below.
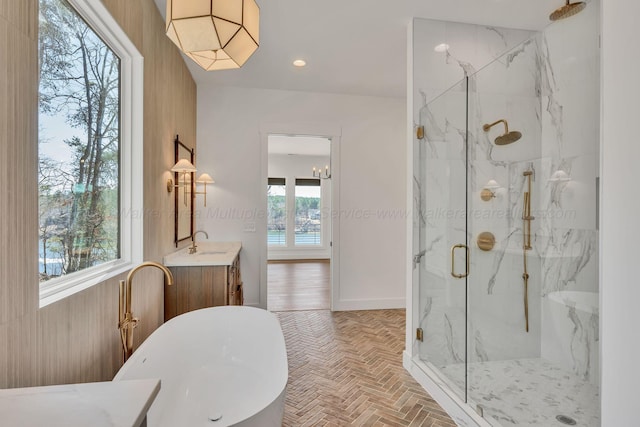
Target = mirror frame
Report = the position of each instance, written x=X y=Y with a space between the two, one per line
x=176 y=179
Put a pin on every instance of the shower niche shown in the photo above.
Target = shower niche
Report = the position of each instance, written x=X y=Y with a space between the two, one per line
x=510 y=330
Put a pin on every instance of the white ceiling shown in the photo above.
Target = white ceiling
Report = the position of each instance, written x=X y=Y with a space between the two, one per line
x=354 y=46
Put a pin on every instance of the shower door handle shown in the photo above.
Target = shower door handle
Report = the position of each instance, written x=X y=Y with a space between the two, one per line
x=453 y=261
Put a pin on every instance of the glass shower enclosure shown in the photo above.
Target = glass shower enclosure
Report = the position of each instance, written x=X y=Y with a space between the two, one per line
x=505 y=187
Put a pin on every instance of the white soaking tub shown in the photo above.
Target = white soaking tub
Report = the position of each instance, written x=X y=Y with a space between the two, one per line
x=220 y=366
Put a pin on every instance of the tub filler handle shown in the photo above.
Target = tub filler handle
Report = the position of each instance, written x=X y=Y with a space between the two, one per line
x=126 y=321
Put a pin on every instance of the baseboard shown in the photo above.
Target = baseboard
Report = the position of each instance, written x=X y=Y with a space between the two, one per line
x=274 y=255
x=369 y=304
x=299 y=261
x=457 y=409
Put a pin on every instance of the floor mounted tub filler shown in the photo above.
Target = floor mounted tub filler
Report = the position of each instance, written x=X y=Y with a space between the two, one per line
x=220 y=366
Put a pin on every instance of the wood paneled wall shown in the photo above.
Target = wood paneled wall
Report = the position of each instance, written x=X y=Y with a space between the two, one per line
x=76 y=340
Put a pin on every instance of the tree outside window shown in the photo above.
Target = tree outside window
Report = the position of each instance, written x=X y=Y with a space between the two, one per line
x=308 y=196
x=277 y=212
x=79 y=144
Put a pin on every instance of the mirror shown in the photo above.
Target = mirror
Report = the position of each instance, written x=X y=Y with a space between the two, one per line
x=184 y=194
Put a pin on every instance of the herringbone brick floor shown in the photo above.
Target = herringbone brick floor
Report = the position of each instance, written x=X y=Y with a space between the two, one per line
x=345 y=369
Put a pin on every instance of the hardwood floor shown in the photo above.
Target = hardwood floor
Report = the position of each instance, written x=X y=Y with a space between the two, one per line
x=298 y=285
x=345 y=369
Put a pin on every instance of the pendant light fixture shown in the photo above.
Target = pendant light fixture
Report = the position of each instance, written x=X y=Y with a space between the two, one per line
x=216 y=34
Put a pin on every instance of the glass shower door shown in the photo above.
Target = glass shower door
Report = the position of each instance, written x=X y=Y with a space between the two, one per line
x=506 y=180
x=440 y=192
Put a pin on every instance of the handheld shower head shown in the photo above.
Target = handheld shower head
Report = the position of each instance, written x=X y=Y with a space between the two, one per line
x=569 y=9
x=507 y=137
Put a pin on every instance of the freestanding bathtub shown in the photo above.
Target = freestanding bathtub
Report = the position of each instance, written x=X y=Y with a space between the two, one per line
x=220 y=366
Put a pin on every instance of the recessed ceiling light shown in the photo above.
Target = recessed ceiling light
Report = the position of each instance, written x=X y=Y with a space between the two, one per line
x=442 y=47
x=299 y=63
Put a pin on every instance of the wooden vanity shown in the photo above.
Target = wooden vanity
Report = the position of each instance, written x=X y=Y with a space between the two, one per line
x=210 y=277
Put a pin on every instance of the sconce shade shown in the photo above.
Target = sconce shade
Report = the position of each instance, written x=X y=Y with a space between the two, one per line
x=183 y=165
x=205 y=178
x=216 y=34
x=492 y=184
x=559 y=176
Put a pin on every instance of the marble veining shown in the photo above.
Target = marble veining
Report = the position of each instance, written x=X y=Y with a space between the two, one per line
x=511 y=56
x=566 y=253
x=527 y=392
x=497 y=260
x=449 y=334
x=580 y=345
x=571 y=334
x=481 y=353
x=548 y=89
x=467 y=67
x=519 y=377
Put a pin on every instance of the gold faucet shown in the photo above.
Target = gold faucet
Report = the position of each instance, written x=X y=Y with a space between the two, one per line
x=193 y=248
x=127 y=322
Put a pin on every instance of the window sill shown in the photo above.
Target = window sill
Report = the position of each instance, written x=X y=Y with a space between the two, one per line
x=74 y=283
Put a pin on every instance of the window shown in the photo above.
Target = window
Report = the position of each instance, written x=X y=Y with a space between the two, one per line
x=89 y=116
x=277 y=212
x=308 y=212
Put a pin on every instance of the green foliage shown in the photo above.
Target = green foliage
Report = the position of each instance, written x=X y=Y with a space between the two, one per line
x=277 y=214
x=78 y=199
x=304 y=204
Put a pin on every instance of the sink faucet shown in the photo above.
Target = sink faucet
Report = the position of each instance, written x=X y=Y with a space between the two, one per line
x=193 y=248
x=127 y=322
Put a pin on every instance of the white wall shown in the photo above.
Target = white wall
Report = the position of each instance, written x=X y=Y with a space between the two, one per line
x=290 y=168
x=619 y=231
x=371 y=171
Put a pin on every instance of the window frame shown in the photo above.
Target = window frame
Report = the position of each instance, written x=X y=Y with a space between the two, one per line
x=131 y=212
x=283 y=183
x=308 y=182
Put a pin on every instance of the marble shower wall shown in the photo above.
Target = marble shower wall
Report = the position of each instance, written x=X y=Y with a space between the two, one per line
x=471 y=47
x=547 y=88
x=439 y=160
x=567 y=239
x=506 y=89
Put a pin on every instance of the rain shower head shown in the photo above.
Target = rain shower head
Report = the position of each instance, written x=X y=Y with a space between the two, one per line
x=567 y=10
x=507 y=137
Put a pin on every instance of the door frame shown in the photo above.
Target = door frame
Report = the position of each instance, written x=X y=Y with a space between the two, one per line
x=327 y=130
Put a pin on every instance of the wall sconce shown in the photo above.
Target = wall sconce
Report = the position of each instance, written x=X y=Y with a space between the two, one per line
x=322 y=174
x=559 y=176
x=559 y=187
x=185 y=168
x=489 y=190
x=205 y=179
x=217 y=35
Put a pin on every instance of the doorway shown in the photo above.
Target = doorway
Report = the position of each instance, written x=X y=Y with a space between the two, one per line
x=298 y=223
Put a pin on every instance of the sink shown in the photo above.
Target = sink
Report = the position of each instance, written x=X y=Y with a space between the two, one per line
x=208 y=253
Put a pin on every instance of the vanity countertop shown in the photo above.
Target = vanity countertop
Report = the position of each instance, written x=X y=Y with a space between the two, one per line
x=208 y=253
x=108 y=404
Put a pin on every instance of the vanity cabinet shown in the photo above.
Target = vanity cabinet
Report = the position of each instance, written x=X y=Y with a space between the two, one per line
x=201 y=286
